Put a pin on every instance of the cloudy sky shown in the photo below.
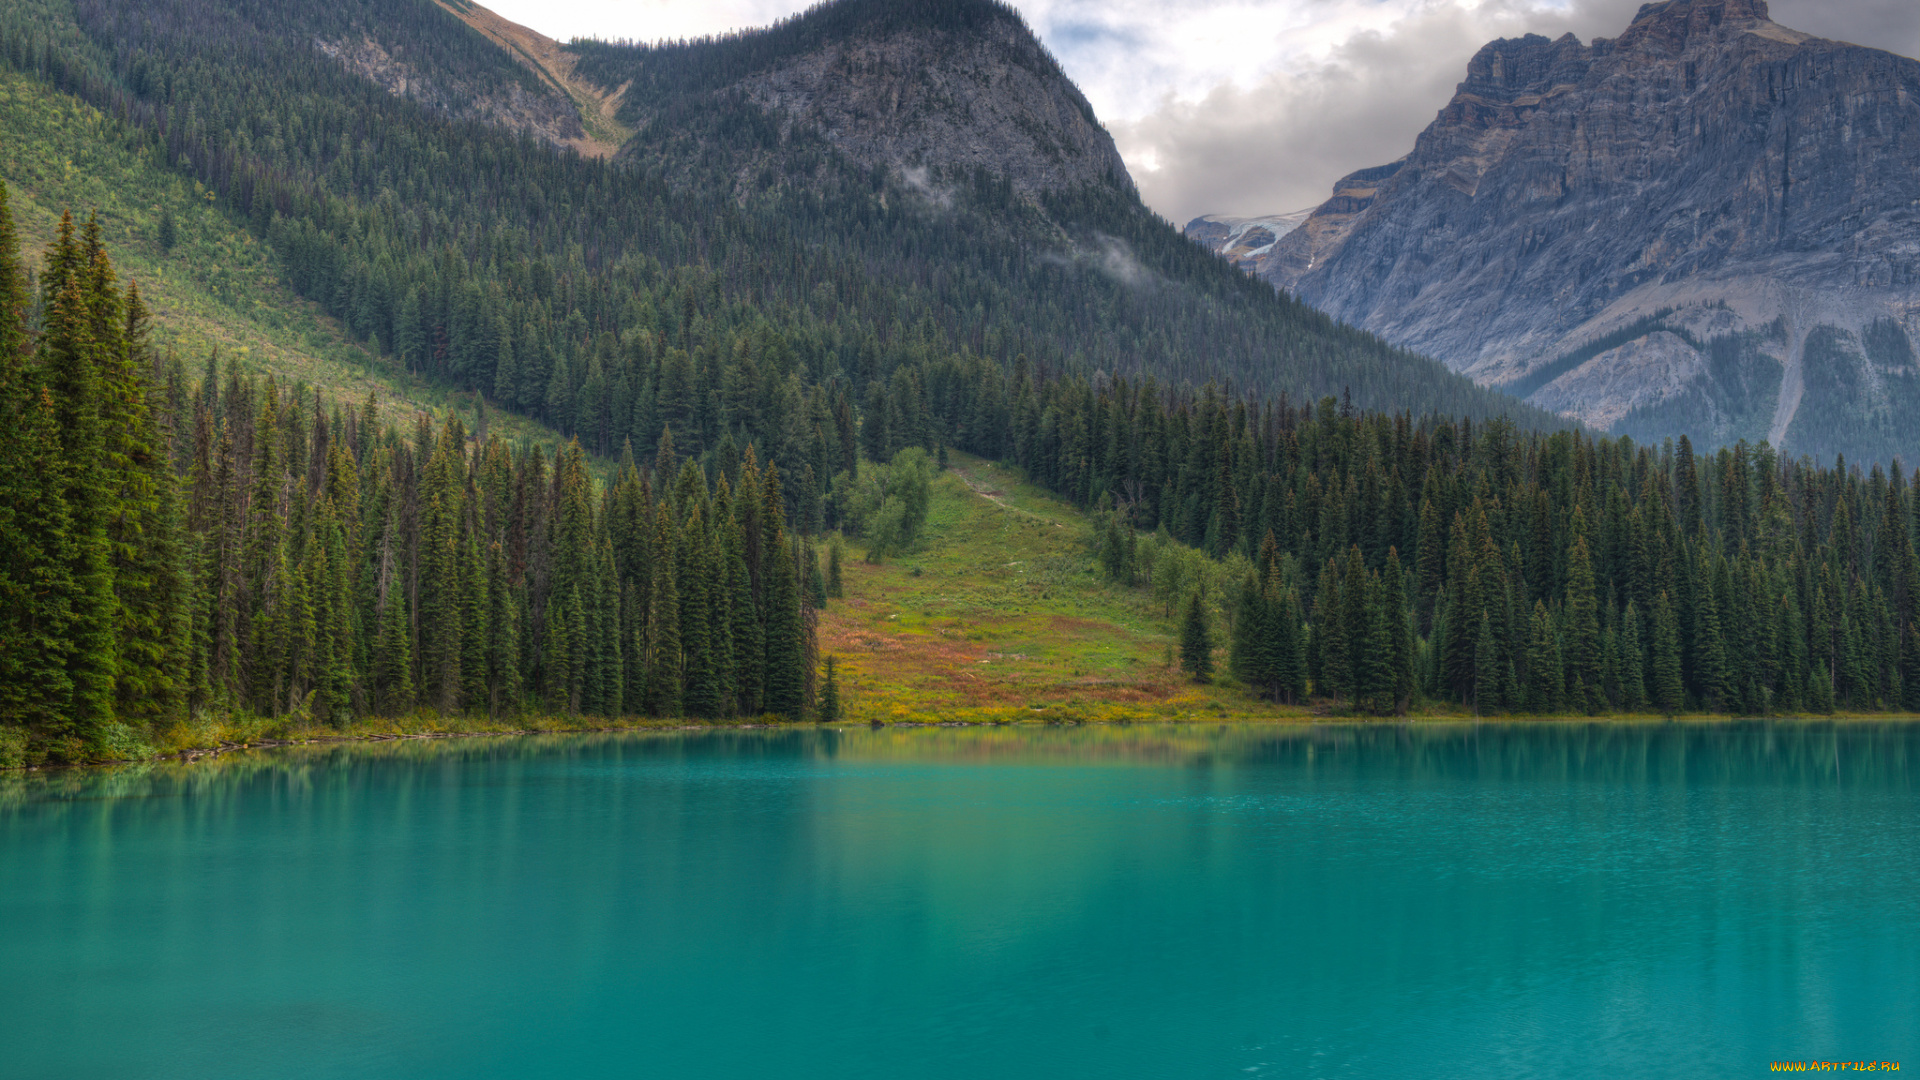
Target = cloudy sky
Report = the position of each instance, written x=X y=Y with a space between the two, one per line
x=1250 y=106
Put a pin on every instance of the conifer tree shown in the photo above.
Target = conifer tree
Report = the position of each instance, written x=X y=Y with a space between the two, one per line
x=1582 y=651
x=36 y=684
x=1359 y=606
x=607 y=673
x=1709 y=648
x=261 y=634
x=1326 y=653
x=475 y=634
x=1431 y=560
x=749 y=636
x=393 y=656
x=503 y=645
x=1669 y=691
x=663 y=624
x=1196 y=642
x=1633 y=661
x=1820 y=696
x=785 y=674
x=145 y=529
x=1398 y=648
x=1910 y=670
x=1487 y=677
x=71 y=361
x=720 y=610
x=1290 y=649
x=1544 y=677
x=14 y=301
x=816 y=581
x=35 y=565
x=334 y=618
x=700 y=679
x=1461 y=633
x=442 y=606
x=1248 y=656
x=830 y=712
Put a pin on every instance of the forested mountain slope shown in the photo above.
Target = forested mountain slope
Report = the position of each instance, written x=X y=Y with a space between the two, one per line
x=211 y=286
x=460 y=246
x=1705 y=225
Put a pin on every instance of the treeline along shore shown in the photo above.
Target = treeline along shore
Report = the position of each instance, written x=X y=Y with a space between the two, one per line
x=170 y=549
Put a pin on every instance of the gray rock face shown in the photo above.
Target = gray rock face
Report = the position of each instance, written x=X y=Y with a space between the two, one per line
x=548 y=116
x=923 y=98
x=1602 y=391
x=1708 y=164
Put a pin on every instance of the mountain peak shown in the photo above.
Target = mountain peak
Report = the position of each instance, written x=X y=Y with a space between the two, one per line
x=1675 y=22
x=913 y=87
x=1698 y=225
x=1713 y=10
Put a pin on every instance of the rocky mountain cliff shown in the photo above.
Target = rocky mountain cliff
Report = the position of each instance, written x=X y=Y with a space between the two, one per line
x=922 y=97
x=913 y=88
x=1709 y=224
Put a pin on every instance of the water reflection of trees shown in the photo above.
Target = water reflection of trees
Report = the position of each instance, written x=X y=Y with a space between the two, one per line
x=1876 y=753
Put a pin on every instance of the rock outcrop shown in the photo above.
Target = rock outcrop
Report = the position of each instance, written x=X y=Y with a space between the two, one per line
x=923 y=97
x=1708 y=164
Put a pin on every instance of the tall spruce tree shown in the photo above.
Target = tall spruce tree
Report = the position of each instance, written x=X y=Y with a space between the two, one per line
x=393 y=656
x=1196 y=641
x=1544 y=676
x=1633 y=661
x=1669 y=688
x=830 y=709
x=72 y=362
x=785 y=678
x=663 y=622
x=1488 y=679
x=1583 y=646
x=36 y=565
x=1398 y=647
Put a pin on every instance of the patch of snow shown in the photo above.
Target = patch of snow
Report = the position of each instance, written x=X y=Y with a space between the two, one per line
x=1278 y=224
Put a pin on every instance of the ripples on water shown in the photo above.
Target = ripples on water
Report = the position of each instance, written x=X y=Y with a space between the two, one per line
x=1167 y=901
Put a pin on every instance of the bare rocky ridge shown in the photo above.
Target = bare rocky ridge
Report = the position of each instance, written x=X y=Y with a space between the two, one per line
x=1708 y=167
x=922 y=98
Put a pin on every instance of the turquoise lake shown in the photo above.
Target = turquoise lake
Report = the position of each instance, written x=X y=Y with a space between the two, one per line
x=1543 y=900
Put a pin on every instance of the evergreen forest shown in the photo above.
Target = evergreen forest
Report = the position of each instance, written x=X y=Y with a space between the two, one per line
x=172 y=547
x=745 y=361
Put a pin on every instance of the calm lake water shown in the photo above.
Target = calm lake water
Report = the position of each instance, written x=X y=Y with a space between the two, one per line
x=1379 y=901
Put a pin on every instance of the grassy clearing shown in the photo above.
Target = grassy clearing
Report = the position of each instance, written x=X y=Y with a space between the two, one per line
x=1002 y=617
x=218 y=288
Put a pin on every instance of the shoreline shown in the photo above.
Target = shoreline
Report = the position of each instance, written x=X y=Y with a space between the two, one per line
x=188 y=755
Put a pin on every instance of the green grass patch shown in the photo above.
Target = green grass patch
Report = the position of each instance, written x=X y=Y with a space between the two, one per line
x=1001 y=616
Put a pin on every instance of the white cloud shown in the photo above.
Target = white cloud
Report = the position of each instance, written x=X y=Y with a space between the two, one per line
x=1249 y=106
